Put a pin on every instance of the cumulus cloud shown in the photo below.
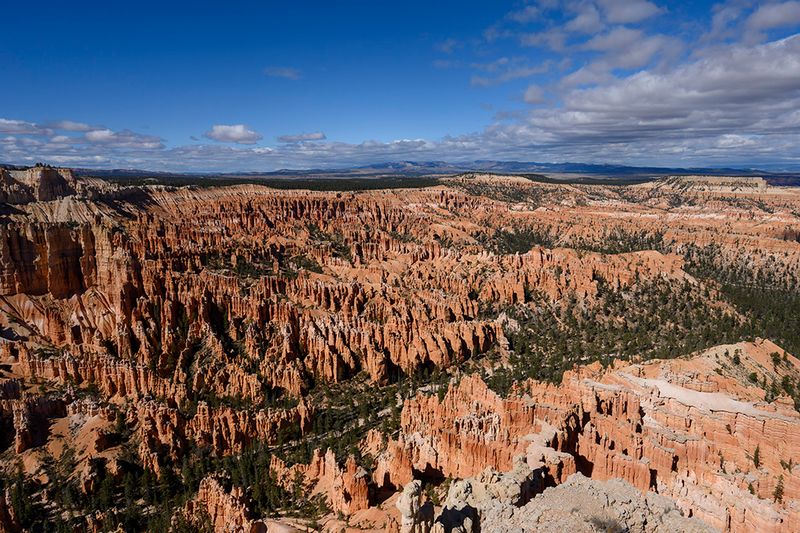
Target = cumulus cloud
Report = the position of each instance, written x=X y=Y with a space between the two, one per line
x=775 y=16
x=18 y=127
x=124 y=139
x=742 y=90
x=505 y=69
x=613 y=89
x=233 y=133
x=586 y=21
x=100 y=135
x=591 y=74
x=616 y=39
x=620 y=48
x=725 y=15
x=554 y=38
x=70 y=125
x=315 y=136
x=628 y=11
x=524 y=15
x=31 y=135
x=534 y=95
x=288 y=73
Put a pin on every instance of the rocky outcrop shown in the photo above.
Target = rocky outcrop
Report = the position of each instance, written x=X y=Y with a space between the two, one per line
x=415 y=516
x=491 y=502
x=225 y=510
x=346 y=487
x=165 y=432
x=29 y=418
x=467 y=499
x=37 y=184
x=647 y=424
x=473 y=427
x=586 y=505
x=113 y=377
x=230 y=431
x=8 y=522
x=44 y=259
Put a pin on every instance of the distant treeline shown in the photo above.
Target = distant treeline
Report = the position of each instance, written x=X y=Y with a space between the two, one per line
x=314 y=184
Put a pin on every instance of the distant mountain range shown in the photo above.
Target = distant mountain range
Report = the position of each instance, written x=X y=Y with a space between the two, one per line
x=438 y=168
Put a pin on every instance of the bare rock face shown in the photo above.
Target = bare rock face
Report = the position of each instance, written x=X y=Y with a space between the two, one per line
x=49 y=183
x=37 y=184
x=28 y=418
x=346 y=488
x=473 y=427
x=468 y=499
x=415 y=517
x=226 y=511
x=586 y=505
x=8 y=522
x=40 y=259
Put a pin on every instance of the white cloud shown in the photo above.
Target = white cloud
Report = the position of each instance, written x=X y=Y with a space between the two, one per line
x=731 y=140
x=288 y=73
x=18 y=127
x=234 y=133
x=98 y=136
x=586 y=21
x=620 y=48
x=124 y=139
x=448 y=46
x=554 y=38
x=775 y=16
x=628 y=11
x=506 y=69
x=70 y=125
x=739 y=89
x=616 y=39
x=592 y=74
x=525 y=15
x=302 y=137
x=724 y=17
x=534 y=95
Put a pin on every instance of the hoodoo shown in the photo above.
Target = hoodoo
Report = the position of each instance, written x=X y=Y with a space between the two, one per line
x=241 y=358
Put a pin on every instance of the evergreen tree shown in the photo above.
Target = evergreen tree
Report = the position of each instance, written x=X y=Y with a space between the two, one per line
x=777 y=494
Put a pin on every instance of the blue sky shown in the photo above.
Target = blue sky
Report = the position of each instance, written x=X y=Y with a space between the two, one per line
x=260 y=86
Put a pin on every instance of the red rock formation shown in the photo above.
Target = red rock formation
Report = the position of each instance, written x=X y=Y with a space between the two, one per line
x=166 y=432
x=41 y=184
x=29 y=416
x=8 y=522
x=346 y=488
x=112 y=376
x=157 y=297
x=646 y=424
x=226 y=510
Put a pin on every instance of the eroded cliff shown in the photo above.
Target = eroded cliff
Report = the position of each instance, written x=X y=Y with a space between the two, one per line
x=327 y=349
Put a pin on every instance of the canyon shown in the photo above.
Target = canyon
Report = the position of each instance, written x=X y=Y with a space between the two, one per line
x=486 y=353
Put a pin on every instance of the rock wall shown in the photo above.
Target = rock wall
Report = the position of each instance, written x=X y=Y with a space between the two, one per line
x=346 y=487
x=226 y=510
